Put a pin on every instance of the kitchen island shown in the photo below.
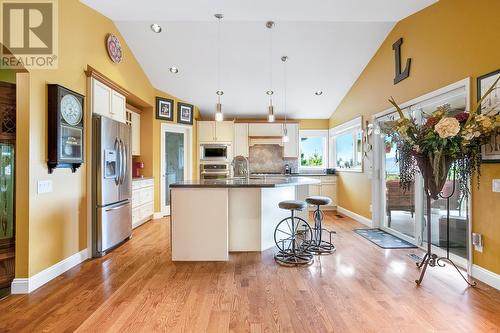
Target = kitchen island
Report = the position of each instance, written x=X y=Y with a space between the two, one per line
x=210 y=218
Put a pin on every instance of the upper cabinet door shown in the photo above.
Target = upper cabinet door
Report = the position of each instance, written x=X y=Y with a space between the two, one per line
x=291 y=148
x=240 y=140
x=101 y=98
x=206 y=131
x=264 y=129
x=118 y=107
x=135 y=122
x=224 y=131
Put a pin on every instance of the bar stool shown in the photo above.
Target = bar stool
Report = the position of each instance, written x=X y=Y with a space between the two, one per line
x=292 y=236
x=318 y=245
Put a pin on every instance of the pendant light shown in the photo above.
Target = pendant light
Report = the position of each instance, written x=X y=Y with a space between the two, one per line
x=270 y=92
x=218 y=107
x=285 y=130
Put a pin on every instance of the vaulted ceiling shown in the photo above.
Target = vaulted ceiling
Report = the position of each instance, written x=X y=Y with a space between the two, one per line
x=328 y=44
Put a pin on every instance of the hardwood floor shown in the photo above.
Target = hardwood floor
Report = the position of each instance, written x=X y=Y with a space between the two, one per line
x=360 y=288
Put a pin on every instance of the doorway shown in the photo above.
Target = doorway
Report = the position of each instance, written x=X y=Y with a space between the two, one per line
x=402 y=212
x=7 y=185
x=176 y=159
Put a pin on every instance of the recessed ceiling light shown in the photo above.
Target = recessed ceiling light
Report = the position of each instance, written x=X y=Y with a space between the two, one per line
x=156 y=28
x=269 y=92
x=174 y=70
x=318 y=93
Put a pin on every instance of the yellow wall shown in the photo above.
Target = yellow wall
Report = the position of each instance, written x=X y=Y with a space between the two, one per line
x=311 y=124
x=58 y=220
x=448 y=41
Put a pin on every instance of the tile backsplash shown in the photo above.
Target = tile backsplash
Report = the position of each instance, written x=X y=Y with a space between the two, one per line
x=269 y=158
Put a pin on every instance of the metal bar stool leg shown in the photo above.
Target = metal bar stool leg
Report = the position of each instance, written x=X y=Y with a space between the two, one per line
x=318 y=245
x=292 y=236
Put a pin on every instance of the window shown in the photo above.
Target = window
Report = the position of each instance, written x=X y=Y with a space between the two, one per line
x=347 y=146
x=313 y=149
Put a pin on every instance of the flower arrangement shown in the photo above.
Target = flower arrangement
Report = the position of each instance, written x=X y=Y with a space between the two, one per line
x=445 y=137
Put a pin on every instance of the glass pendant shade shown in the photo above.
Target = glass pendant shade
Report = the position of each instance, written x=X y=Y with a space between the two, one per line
x=285 y=137
x=270 y=116
x=218 y=112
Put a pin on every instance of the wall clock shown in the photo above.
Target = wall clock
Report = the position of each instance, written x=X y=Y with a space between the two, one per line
x=114 y=48
x=65 y=128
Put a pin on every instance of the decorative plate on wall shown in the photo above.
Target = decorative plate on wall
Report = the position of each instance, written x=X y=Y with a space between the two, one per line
x=114 y=48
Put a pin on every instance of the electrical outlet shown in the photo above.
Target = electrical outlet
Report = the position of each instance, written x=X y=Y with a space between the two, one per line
x=44 y=186
x=496 y=185
x=477 y=241
x=371 y=209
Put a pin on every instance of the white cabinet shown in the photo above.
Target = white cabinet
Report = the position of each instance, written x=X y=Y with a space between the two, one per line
x=224 y=131
x=134 y=120
x=291 y=148
x=327 y=188
x=101 y=98
x=240 y=146
x=265 y=129
x=107 y=102
x=142 y=201
x=118 y=106
x=213 y=131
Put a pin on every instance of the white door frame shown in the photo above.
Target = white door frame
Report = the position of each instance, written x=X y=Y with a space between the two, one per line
x=188 y=158
x=377 y=188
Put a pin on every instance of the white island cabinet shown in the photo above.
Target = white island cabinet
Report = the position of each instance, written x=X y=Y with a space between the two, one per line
x=230 y=215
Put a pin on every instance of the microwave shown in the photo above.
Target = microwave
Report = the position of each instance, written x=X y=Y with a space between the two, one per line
x=215 y=152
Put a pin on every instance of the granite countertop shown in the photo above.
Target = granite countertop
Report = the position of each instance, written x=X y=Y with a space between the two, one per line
x=302 y=174
x=253 y=182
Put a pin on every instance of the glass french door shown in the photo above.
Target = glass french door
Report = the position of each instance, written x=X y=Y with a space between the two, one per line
x=175 y=160
x=402 y=211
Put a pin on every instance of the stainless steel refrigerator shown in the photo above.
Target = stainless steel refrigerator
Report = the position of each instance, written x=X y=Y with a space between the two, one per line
x=111 y=184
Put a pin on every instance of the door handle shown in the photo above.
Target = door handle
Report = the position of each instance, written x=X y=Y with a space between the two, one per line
x=118 y=161
x=115 y=208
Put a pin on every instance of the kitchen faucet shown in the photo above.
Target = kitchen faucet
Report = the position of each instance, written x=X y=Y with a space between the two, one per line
x=241 y=167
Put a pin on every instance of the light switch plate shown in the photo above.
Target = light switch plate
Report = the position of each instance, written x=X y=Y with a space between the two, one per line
x=44 y=186
x=496 y=185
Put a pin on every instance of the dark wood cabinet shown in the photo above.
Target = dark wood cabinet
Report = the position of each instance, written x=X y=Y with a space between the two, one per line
x=65 y=128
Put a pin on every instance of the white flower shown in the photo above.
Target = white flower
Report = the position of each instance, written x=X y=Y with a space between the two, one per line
x=447 y=127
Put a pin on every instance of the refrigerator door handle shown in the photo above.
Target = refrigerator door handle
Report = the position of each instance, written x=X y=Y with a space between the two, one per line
x=122 y=162
x=118 y=161
x=117 y=207
x=125 y=161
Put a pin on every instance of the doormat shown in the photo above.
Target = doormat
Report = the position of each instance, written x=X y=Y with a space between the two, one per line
x=415 y=257
x=384 y=239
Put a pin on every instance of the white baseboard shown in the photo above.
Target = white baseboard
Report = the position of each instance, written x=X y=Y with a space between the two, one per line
x=354 y=216
x=486 y=276
x=27 y=285
x=159 y=215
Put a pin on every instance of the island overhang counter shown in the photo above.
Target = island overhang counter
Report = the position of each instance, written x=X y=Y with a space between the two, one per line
x=210 y=218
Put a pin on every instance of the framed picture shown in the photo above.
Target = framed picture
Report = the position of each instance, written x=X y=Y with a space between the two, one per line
x=184 y=113
x=164 y=109
x=491 y=151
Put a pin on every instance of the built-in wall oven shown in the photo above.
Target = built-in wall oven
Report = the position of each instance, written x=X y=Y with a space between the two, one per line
x=215 y=170
x=215 y=152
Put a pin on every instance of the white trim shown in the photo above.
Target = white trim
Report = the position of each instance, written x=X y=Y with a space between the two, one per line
x=27 y=285
x=354 y=126
x=159 y=215
x=320 y=134
x=348 y=125
x=187 y=130
x=462 y=83
x=354 y=216
x=490 y=278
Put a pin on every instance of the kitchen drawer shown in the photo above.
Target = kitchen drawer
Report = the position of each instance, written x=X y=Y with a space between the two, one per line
x=329 y=179
x=136 y=184
x=136 y=214
x=146 y=195
x=146 y=211
x=147 y=182
x=136 y=198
